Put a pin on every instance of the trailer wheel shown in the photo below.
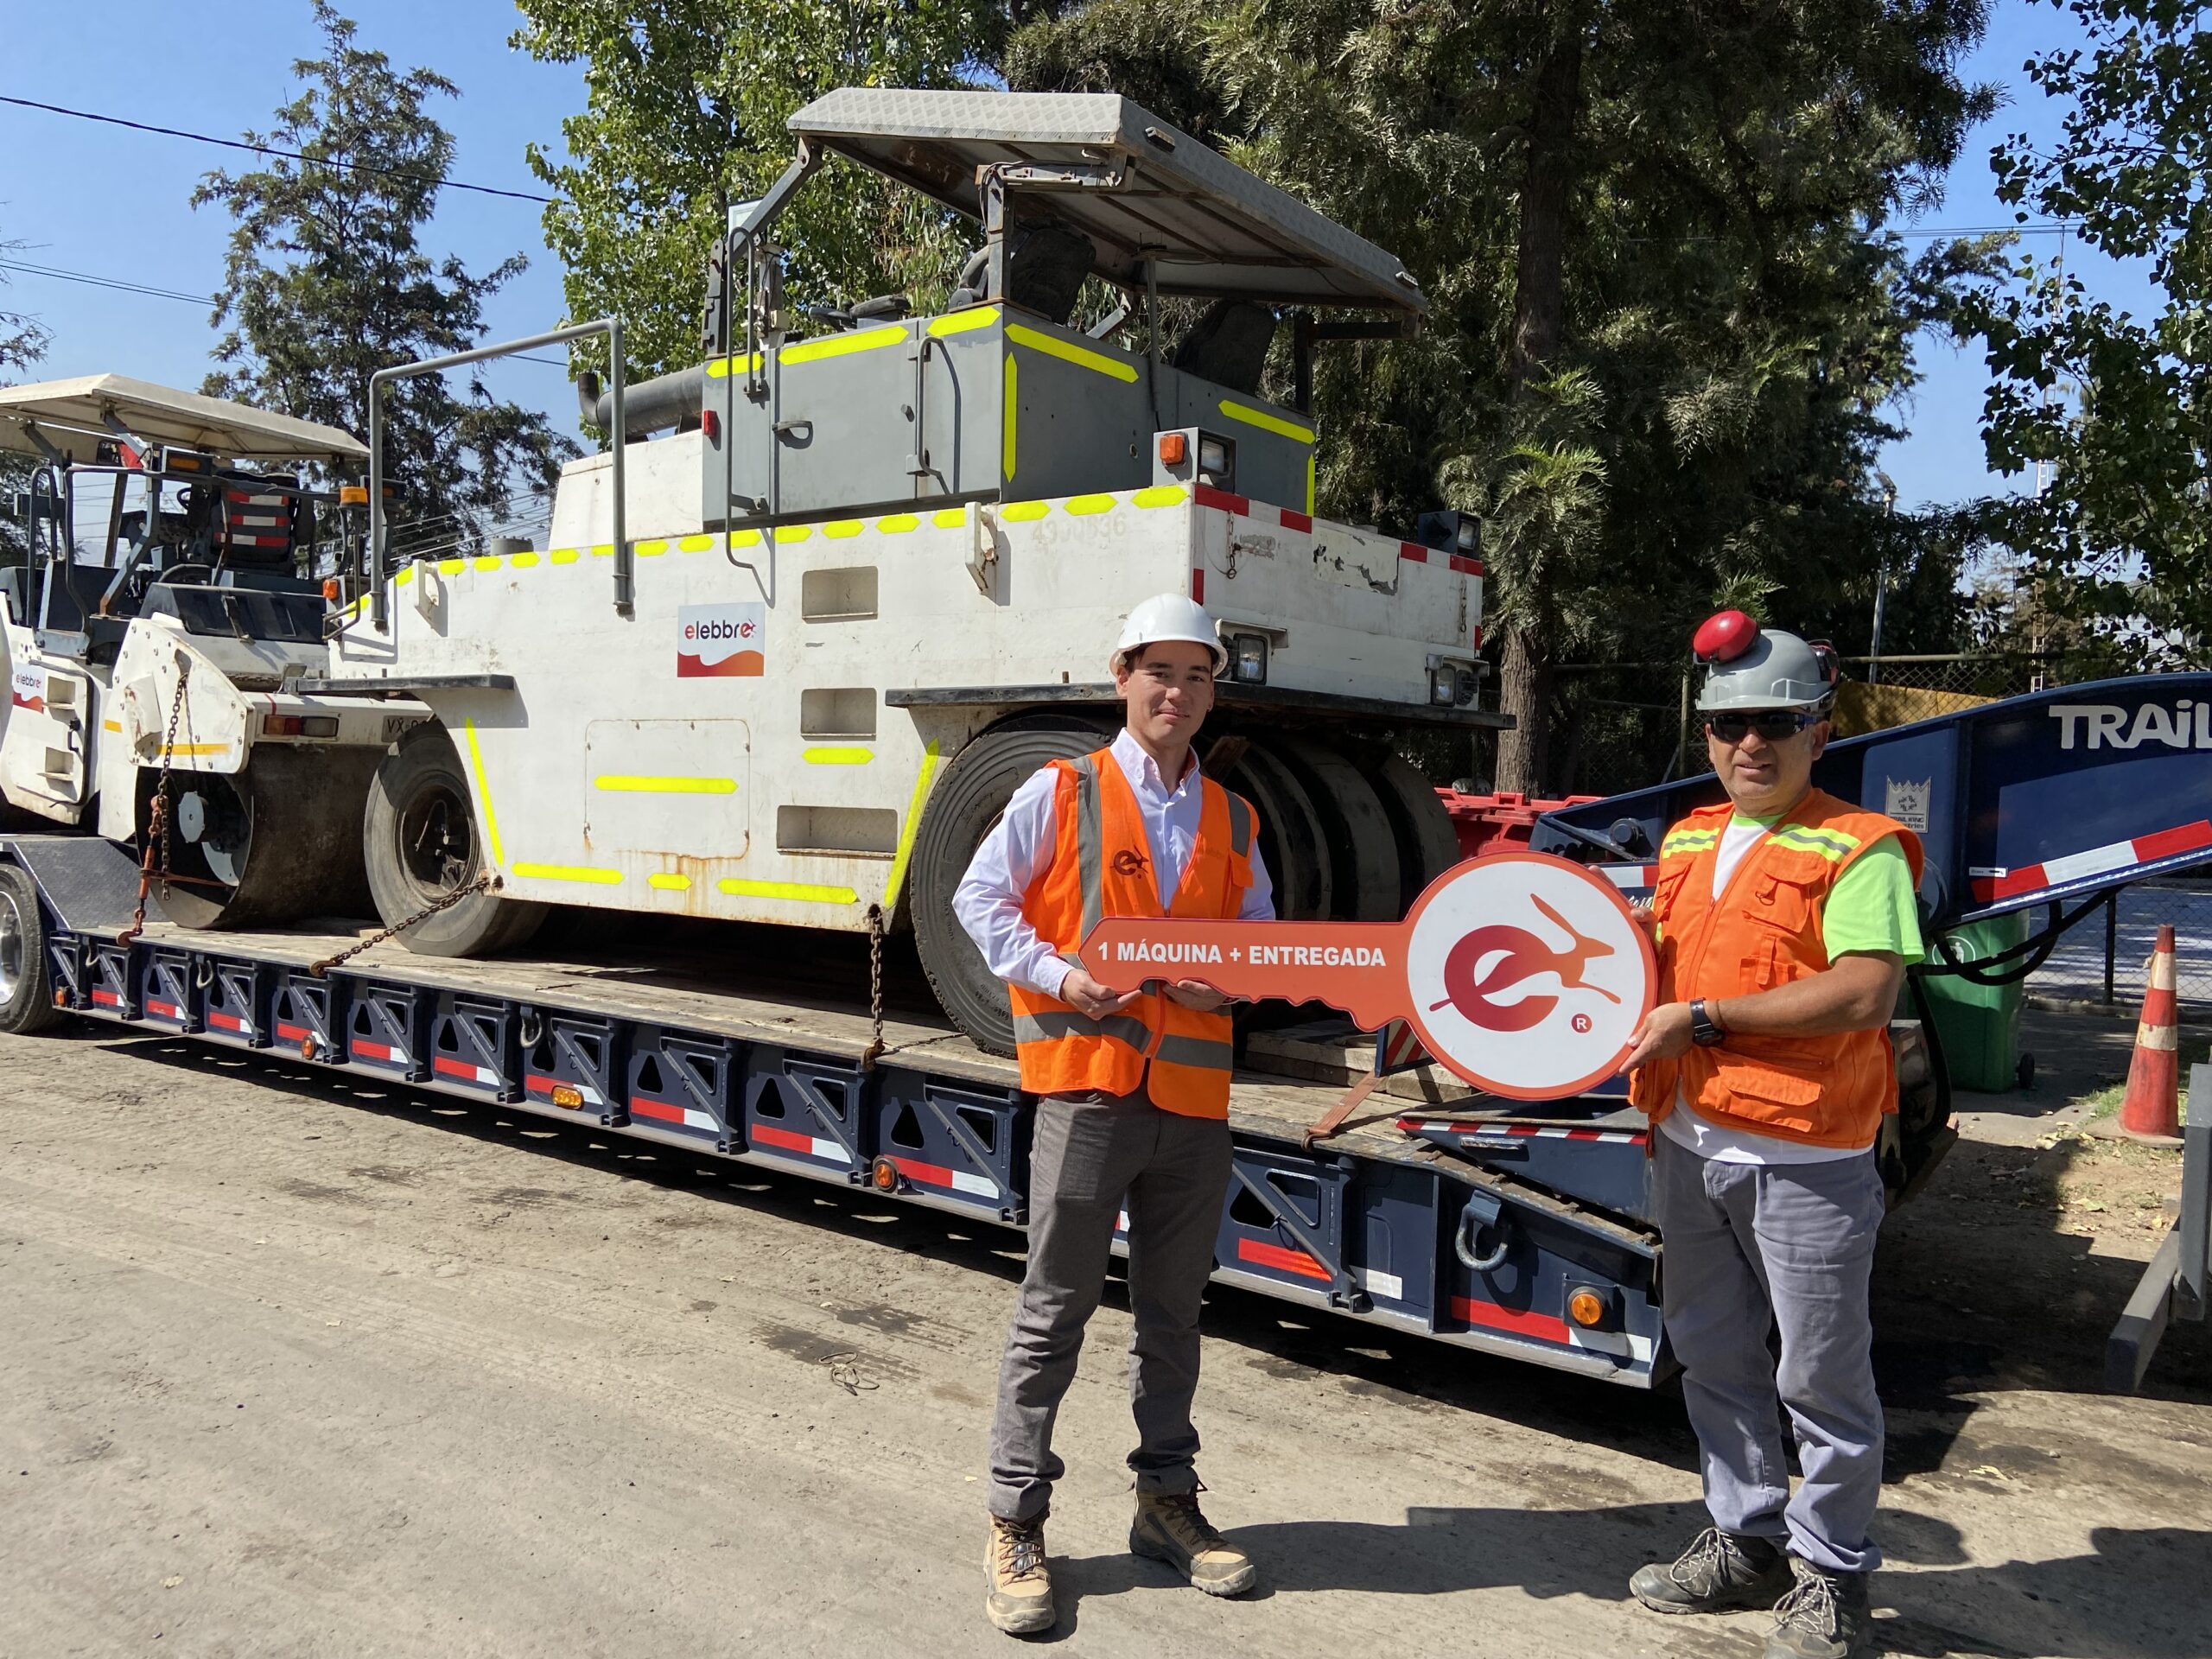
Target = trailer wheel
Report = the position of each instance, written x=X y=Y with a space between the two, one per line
x=420 y=839
x=967 y=802
x=1428 y=844
x=1356 y=833
x=26 y=976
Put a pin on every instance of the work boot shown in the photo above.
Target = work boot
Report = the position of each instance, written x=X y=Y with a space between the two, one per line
x=1169 y=1528
x=1720 y=1572
x=1824 y=1617
x=1021 y=1602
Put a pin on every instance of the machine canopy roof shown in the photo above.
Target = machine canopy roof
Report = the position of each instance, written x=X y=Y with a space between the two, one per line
x=72 y=416
x=1211 y=228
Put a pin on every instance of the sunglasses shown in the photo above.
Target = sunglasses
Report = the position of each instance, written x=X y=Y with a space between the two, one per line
x=1772 y=724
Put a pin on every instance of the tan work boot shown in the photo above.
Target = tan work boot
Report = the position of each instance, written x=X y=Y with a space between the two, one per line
x=1170 y=1528
x=1021 y=1602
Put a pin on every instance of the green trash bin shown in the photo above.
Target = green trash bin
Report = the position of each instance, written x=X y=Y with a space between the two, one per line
x=1980 y=1025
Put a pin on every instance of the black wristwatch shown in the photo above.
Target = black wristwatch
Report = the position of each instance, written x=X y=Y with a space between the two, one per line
x=1705 y=1032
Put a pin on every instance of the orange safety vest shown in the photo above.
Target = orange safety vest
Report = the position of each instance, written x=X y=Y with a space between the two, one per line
x=1102 y=866
x=1762 y=931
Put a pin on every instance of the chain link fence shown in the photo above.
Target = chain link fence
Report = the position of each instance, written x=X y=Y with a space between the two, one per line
x=2105 y=959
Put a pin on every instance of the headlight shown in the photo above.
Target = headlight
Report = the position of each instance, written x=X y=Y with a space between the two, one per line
x=1218 y=462
x=1443 y=684
x=1469 y=537
x=1248 y=658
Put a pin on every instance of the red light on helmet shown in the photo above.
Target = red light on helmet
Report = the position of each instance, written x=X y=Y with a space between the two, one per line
x=1724 y=636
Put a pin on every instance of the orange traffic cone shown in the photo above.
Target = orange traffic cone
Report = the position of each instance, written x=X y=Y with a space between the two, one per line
x=2151 y=1107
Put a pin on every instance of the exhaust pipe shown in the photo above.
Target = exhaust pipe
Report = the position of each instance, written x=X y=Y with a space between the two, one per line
x=653 y=405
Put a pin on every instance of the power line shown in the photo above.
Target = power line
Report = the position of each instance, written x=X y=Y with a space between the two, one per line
x=270 y=150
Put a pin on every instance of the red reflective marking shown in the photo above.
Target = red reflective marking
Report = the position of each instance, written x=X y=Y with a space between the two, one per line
x=462 y=1069
x=167 y=1010
x=1584 y=1134
x=1493 y=1317
x=1413 y=550
x=935 y=1175
x=225 y=1021
x=1206 y=496
x=2166 y=843
x=1281 y=1260
x=1198 y=586
x=767 y=1135
x=1466 y=566
x=543 y=1085
x=107 y=999
x=653 y=1108
x=292 y=1033
x=369 y=1050
x=1297 y=520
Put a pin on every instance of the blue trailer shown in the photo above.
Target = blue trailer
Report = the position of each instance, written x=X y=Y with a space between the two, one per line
x=1519 y=1231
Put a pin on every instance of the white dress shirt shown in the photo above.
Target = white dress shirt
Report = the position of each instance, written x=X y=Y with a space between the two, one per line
x=989 y=900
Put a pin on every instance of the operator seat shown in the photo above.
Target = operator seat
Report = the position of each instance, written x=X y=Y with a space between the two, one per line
x=1045 y=265
x=1228 y=345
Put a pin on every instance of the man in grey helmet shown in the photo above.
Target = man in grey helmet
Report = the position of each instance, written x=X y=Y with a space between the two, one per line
x=1784 y=919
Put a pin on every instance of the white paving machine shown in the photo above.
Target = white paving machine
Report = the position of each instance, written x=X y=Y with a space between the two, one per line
x=156 y=635
x=833 y=592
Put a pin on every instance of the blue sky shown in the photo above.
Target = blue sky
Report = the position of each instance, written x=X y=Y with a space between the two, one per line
x=113 y=203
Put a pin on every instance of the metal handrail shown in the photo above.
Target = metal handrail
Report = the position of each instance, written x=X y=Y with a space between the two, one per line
x=625 y=560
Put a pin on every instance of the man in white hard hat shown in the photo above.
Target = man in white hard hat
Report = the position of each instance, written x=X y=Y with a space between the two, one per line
x=1784 y=918
x=1132 y=1094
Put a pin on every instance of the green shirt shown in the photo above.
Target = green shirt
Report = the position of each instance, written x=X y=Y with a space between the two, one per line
x=1870 y=907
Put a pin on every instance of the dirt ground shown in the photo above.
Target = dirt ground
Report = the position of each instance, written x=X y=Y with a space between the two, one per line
x=292 y=1367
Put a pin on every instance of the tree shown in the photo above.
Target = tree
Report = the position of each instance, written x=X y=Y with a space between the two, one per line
x=686 y=105
x=326 y=282
x=2118 y=409
x=23 y=342
x=1667 y=320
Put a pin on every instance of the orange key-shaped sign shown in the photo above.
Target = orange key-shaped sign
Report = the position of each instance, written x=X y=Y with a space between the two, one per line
x=1524 y=974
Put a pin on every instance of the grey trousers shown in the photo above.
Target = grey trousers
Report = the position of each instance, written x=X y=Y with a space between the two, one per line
x=1089 y=1153
x=1750 y=1249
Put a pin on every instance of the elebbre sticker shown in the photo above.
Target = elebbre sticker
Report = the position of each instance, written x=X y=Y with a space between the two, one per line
x=1523 y=973
x=717 y=641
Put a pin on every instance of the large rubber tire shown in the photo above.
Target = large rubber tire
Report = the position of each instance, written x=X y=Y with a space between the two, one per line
x=1428 y=844
x=26 y=976
x=420 y=840
x=968 y=800
x=276 y=841
x=1290 y=835
x=1362 y=847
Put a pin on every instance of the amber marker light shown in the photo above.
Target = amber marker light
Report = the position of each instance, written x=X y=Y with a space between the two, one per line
x=1586 y=1307
x=567 y=1096
x=883 y=1174
x=1174 y=448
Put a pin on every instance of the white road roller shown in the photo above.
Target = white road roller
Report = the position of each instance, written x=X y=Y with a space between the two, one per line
x=863 y=582
x=157 y=636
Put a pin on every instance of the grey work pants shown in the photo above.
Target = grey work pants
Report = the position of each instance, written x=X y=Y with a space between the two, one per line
x=1751 y=1248
x=1091 y=1151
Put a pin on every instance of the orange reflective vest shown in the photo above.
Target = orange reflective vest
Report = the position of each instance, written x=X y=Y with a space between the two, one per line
x=1762 y=931
x=1102 y=866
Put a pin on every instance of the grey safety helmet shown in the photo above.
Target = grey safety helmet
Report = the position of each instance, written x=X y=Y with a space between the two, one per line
x=1752 y=668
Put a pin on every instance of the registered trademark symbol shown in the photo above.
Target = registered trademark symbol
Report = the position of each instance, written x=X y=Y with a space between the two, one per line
x=1582 y=1022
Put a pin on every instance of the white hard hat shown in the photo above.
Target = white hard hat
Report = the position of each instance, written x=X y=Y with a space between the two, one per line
x=1173 y=616
x=1752 y=668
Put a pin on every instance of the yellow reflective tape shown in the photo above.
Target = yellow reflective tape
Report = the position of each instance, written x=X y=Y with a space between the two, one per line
x=1009 y=417
x=1310 y=460
x=1265 y=421
x=604 y=550
x=631 y=784
x=562 y=556
x=898 y=524
x=110 y=725
x=697 y=544
x=489 y=562
x=583 y=872
x=524 y=561
x=484 y=793
x=841 y=529
x=975 y=316
x=906 y=830
x=949 y=517
x=860 y=339
x=406 y=574
x=661 y=882
x=722 y=368
x=803 y=892
x=786 y=534
x=746 y=539
x=838 y=757
x=1083 y=505
x=649 y=549
x=452 y=567
x=1162 y=495
x=194 y=748
x=1097 y=362
x=1021 y=512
